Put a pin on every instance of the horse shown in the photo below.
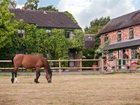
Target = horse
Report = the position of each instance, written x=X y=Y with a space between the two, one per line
x=31 y=61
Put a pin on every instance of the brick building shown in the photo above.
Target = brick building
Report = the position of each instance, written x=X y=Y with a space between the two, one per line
x=121 y=37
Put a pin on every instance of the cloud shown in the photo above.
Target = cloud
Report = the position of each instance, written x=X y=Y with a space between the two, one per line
x=85 y=11
x=19 y=6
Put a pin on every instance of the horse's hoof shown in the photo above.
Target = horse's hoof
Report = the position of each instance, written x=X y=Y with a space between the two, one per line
x=49 y=81
x=36 y=81
x=12 y=80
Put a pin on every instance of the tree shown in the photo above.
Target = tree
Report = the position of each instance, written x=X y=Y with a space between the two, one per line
x=96 y=25
x=94 y=28
x=69 y=15
x=12 y=4
x=48 y=8
x=31 y=4
x=58 y=44
x=8 y=28
x=7 y=24
x=77 y=39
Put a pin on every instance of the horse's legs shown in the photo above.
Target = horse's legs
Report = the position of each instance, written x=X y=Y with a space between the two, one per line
x=14 y=75
x=16 y=80
x=37 y=76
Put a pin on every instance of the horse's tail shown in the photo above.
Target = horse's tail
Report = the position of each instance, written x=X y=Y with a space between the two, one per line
x=12 y=59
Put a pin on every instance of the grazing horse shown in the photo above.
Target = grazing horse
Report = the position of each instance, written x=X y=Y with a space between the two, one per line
x=31 y=62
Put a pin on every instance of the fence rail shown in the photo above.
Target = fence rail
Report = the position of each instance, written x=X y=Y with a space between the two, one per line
x=60 y=67
x=79 y=66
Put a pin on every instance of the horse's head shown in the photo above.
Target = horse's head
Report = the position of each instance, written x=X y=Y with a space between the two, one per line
x=49 y=77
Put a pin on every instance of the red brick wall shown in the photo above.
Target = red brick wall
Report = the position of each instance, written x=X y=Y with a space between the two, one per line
x=137 y=31
x=112 y=36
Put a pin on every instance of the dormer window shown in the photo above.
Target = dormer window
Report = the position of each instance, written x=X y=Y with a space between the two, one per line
x=119 y=36
x=131 y=33
x=68 y=34
x=21 y=33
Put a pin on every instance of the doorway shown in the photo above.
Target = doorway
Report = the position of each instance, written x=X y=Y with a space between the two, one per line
x=121 y=58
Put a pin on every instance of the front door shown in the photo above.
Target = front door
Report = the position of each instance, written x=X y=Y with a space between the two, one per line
x=121 y=58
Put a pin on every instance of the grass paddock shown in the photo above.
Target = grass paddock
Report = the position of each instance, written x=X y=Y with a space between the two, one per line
x=111 y=89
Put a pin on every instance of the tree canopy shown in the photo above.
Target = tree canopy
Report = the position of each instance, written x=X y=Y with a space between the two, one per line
x=48 y=8
x=7 y=24
x=94 y=28
x=31 y=4
x=96 y=25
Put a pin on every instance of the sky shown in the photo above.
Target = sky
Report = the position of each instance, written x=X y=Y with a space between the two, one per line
x=84 y=11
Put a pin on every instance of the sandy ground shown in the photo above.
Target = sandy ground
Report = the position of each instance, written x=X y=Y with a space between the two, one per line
x=111 y=89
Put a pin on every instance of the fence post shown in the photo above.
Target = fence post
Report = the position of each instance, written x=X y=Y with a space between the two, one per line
x=102 y=65
x=60 y=66
x=116 y=64
x=80 y=64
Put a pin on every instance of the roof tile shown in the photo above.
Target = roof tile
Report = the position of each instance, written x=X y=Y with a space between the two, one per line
x=45 y=19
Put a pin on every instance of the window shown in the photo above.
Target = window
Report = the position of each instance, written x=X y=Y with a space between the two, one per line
x=89 y=41
x=68 y=34
x=106 y=38
x=131 y=33
x=21 y=33
x=110 y=55
x=48 y=31
x=134 y=53
x=119 y=36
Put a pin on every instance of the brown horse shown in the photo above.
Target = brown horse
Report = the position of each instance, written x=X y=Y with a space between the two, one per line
x=31 y=62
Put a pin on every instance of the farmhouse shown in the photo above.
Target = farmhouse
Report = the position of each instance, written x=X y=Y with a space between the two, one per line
x=121 y=37
x=49 y=20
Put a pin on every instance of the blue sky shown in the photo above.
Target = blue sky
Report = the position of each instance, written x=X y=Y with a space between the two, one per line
x=136 y=4
x=41 y=2
x=85 y=11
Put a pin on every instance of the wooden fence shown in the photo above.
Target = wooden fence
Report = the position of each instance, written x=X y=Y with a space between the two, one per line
x=60 y=67
x=79 y=67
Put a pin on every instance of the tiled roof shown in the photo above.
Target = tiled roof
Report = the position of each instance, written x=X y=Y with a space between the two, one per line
x=121 y=22
x=120 y=45
x=45 y=19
